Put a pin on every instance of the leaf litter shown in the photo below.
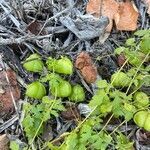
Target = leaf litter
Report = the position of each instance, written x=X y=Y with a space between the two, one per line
x=64 y=28
x=124 y=14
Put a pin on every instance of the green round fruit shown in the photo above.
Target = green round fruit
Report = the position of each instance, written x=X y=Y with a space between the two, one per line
x=64 y=65
x=147 y=123
x=140 y=118
x=120 y=79
x=36 y=90
x=62 y=89
x=141 y=99
x=33 y=63
x=77 y=94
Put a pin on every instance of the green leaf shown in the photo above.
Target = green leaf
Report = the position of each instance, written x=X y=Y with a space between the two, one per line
x=106 y=107
x=96 y=101
x=119 y=50
x=145 y=45
x=36 y=115
x=141 y=33
x=52 y=147
x=14 y=145
x=123 y=142
x=116 y=108
x=102 y=84
x=71 y=141
x=85 y=133
x=130 y=42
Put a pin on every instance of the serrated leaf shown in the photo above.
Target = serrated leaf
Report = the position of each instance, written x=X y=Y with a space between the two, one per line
x=130 y=42
x=102 y=84
x=141 y=33
x=123 y=142
x=71 y=141
x=119 y=50
x=14 y=145
x=96 y=101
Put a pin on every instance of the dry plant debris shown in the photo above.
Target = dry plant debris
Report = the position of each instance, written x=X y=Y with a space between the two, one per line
x=106 y=8
x=7 y=90
x=71 y=113
x=85 y=65
x=124 y=14
x=35 y=28
x=4 y=142
x=121 y=59
x=147 y=2
x=126 y=17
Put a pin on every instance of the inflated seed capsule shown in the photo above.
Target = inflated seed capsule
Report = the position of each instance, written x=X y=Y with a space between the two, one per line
x=140 y=117
x=141 y=99
x=78 y=94
x=147 y=123
x=62 y=65
x=33 y=63
x=120 y=79
x=36 y=90
x=60 y=89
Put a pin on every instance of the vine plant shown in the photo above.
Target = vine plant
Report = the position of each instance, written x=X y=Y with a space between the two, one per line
x=120 y=97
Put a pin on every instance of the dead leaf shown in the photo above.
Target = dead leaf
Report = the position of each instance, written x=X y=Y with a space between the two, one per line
x=126 y=17
x=87 y=68
x=106 y=8
x=94 y=7
x=125 y=14
x=6 y=102
x=4 y=142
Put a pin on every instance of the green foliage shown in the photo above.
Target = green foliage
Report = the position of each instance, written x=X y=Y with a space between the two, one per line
x=36 y=115
x=136 y=50
x=123 y=142
x=112 y=101
x=14 y=145
x=88 y=138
